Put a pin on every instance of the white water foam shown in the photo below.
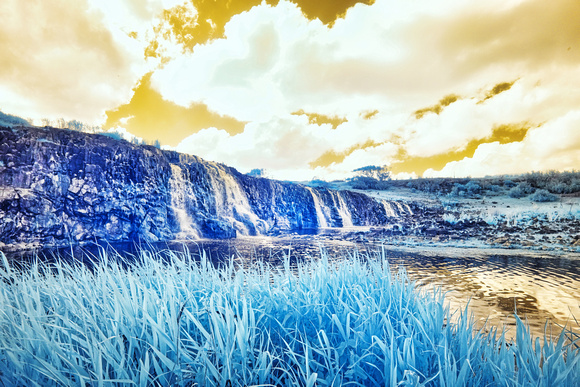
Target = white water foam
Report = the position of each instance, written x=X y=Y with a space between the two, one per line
x=322 y=223
x=232 y=203
x=178 y=197
x=389 y=209
x=343 y=211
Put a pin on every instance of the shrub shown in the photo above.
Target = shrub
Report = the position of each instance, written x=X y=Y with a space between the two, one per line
x=366 y=183
x=472 y=187
x=521 y=190
x=458 y=189
x=516 y=192
x=543 y=195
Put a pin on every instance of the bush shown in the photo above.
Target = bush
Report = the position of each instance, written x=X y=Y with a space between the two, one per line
x=472 y=188
x=366 y=183
x=516 y=192
x=521 y=190
x=543 y=195
x=458 y=189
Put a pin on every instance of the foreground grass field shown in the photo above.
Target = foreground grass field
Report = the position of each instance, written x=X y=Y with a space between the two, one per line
x=180 y=321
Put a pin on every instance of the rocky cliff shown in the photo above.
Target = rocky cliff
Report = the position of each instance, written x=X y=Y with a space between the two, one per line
x=59 y=186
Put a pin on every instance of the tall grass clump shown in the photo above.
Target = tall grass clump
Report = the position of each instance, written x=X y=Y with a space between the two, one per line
x=185 y=322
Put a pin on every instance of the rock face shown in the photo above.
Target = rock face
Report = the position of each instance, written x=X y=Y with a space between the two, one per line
x=59 y=186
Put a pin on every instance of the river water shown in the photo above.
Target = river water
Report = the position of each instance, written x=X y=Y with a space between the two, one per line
x=540 y=288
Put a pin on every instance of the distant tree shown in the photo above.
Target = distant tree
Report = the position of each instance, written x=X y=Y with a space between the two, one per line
x=257 y=172
x=61 y=123
x=380 y=173
x=157 y=144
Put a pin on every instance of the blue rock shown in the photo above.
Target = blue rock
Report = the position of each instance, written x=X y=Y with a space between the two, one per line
x=60 y=186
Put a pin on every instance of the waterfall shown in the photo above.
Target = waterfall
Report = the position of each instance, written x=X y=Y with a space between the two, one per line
x=318 y=207
x=400 y=208
x=232 y=203
x=408 y=208
x=389 y=209
x=178 y=198
x=343 y=211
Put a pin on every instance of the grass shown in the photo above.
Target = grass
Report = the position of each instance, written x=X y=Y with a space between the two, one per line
x=183 y=321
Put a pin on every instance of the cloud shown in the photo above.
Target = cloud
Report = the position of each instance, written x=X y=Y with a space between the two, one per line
x=552 y=146
x=274 y=61
x=410 y=84
x=149 y=116
x=502 y=134
x=278 y=144
x=497 y=89
x=332 y=157
x=321 y=119
x=198 y=22
x=438 y=108
x=529 y=35
x=59 y=59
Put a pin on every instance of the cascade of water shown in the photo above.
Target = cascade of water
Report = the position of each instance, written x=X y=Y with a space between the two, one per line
x=389 y=209
x=400 y=208
x=343 y=211
x=178 y=193
x=232 y=203
x=408 y=208
x=318 y=207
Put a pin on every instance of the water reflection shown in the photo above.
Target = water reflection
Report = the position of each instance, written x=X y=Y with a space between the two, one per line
x=539 y=289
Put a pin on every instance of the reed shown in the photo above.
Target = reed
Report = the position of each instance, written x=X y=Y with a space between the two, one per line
x=183 y=321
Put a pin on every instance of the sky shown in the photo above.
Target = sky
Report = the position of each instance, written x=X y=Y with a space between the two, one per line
x=309 y=89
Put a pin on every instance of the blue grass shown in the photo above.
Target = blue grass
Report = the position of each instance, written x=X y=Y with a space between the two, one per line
x=183 y=322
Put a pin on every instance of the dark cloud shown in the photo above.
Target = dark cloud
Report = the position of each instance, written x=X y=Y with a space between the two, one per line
x=151 y=117
x=208 y=22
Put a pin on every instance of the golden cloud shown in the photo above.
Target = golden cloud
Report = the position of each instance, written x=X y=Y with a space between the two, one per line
x=151 y=117
x=497 y=89
x=367 y=115
x=503 y=134
x=206 y=20
x=321 y=119
x=438 y=108
x=331 y=157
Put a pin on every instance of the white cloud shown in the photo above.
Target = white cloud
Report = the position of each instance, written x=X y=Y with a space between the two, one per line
x=278 y=144
x=61 y=60
x=553 y=146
